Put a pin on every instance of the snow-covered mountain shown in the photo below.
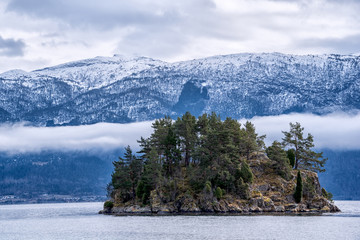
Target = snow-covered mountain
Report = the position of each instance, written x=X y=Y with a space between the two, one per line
x=126 y=89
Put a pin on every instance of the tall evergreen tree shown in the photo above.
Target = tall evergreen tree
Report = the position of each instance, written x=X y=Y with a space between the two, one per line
x=232 y=137
x=246 y=173
x=305 y=158
x=135 y=171
x=120 y=178
x=291 y=156
x=127 y=174
x=171 y=153
x=251 y=142
x=150 y=178
x=276 y=153
x=185 y=128
x=299 y=188
x=158 y=137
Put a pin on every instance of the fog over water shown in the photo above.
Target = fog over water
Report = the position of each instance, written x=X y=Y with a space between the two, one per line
x=338 y=131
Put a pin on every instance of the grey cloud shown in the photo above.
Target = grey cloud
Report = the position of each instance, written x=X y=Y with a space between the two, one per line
x=181 y=30
x=11 y=47
x=155 y=28
x=159 y=43
x=106 y=13
x=346 y=45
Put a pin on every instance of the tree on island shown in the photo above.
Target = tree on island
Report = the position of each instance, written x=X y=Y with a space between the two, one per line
x=305 y=158
x=299 y=188
x=182 y=156
x=282 y=165
x=127 y=174
x=204 y=157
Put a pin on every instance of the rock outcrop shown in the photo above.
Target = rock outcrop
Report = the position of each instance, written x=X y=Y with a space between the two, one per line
x=268 y=193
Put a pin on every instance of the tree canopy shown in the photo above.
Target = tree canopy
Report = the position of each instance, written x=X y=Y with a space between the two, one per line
x=205 y=155
x=305 y=157
x=186 y=154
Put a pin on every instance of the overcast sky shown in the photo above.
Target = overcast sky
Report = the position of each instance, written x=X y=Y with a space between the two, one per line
x=337 y=131
x=36 y=33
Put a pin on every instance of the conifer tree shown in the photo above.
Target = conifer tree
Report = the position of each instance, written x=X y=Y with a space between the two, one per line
x=185 y=128
x=232 y=137
x=120 y=179
x=276 y=153
x=299 y=188
x=150 y=177
x=251 y=142
x=135 y=170
x=218 y=193
x=291 y=156
x=171 y=153
x=246 y=173
x=305 y=158
x=127 y=174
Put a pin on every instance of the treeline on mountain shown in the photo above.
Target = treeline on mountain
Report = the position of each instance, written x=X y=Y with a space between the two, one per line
x=197 y=155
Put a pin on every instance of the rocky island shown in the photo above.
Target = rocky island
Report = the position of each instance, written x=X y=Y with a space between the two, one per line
x=207 y=165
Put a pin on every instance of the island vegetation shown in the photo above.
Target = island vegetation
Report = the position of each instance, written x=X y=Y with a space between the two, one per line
x=204 y=164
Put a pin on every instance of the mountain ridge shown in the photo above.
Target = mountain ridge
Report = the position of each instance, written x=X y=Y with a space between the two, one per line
x=127 y=89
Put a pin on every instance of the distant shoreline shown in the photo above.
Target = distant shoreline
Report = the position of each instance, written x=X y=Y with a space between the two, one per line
x=49 y=198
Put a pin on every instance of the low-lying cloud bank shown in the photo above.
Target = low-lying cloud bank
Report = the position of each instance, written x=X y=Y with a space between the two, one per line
x=20 y=138
x=338 y=131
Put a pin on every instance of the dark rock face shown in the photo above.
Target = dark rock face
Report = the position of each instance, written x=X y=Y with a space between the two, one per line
x=192 y=99
x=123 y=89
x=269 y=193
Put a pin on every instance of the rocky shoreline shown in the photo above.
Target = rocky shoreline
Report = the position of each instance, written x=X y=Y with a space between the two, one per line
x=231 y=209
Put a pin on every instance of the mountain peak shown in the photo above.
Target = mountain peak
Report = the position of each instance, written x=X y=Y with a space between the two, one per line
x=15 y=73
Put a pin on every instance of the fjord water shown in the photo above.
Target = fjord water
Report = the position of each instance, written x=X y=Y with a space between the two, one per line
x=81 y=221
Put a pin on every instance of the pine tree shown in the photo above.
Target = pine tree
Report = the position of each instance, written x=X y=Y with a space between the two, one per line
x=171 y=153
x=135 y=170
x=305 y=158
x=291 y=156
x=251 y=142
x=120 y=179
x=127 y=174
x=232 y=139
x=246 y=173
x=299 y=188
x=276 y=153
x=185 y=128
x=150 y=177
x=218 y=193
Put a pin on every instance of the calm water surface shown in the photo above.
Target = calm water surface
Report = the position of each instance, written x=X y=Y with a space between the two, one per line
x=81 y=221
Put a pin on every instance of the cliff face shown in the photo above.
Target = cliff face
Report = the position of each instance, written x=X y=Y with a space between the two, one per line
x=269 y=192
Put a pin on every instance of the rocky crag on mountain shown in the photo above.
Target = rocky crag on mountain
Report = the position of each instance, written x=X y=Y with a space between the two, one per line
x=269 y=193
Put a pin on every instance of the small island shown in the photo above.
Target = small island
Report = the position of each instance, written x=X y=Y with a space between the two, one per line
x=206 y=165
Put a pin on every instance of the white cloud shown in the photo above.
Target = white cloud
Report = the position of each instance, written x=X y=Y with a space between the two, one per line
x=20 y=138
x=335 y=131
x=172 y=31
